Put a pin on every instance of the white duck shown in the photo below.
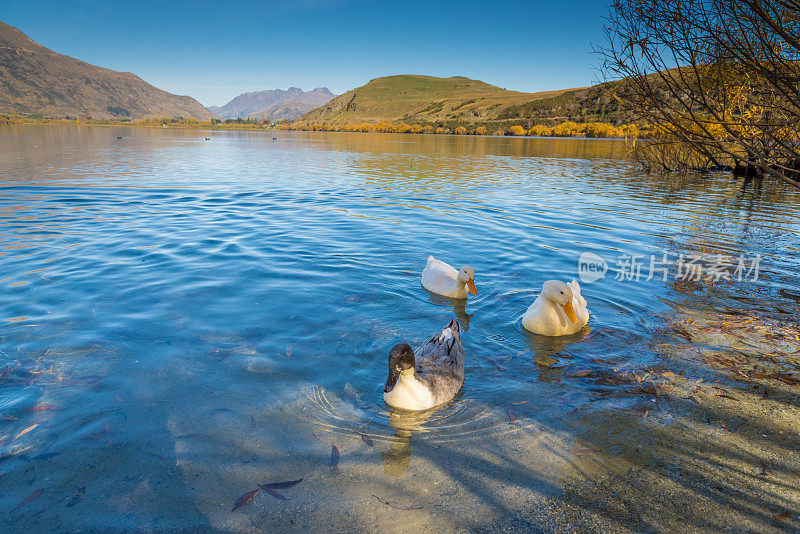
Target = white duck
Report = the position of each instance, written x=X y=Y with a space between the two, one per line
x=430 y=377
x=440 y=277
x=559 y=310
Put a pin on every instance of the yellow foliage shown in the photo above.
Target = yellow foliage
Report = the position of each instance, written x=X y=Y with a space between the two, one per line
x=566 y=129
x=539 y=130
x=602 y=130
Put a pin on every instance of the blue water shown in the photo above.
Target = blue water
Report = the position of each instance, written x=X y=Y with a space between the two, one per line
x=190 y=311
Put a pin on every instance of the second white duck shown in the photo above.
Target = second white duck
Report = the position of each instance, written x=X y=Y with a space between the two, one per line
x=559 y=310
x=442 y=278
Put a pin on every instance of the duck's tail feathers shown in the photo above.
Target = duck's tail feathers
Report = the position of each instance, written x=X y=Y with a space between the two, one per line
x=430 y=259
x=445 y=342
x=455 y=330
x=576 y=290
x=575 y=285
x=452 y=334
x=454 y=326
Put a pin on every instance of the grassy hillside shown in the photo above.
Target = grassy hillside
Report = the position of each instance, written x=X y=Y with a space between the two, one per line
x=459 y=101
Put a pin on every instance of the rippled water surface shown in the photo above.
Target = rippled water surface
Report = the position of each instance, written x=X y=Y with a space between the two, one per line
x=179 y=316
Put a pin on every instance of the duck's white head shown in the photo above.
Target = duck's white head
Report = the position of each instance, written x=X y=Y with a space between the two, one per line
x=560 y=294
x=401 y=359
x=467 y=275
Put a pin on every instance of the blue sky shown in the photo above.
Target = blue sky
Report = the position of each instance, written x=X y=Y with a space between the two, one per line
x=215 y=50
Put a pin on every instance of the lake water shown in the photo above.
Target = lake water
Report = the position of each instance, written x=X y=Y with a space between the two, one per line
x=184 y=319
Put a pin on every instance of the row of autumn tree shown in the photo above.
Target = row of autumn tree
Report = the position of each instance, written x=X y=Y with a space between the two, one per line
x=565 y=129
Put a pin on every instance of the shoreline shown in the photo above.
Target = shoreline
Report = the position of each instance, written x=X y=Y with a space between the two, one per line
x=263 y=129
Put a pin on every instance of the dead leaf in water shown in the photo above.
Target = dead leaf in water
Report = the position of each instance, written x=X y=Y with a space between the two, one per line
x=512 y=416
x=76 y=498
x=397 y=505
x=786 y=379
x=29 y=498
x=289 y=351
x=334 y=461
x=246 y=498
x=272 y=486
x=104 y=434
x=252 y=424
x=366 y=439
x=783 y=515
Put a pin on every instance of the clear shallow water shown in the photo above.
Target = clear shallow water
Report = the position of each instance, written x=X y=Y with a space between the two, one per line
x=179 y=314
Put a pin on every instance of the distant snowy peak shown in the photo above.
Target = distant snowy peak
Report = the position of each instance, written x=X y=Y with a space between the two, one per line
x=274 y=104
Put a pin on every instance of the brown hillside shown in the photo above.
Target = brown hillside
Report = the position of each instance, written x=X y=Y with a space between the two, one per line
x=36 y=80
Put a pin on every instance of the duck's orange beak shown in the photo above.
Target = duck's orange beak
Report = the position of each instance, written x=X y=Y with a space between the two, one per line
x=570 y=311
x=471 y=286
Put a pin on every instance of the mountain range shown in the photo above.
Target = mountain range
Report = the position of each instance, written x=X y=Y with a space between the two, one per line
x=274 y=104
x=36 y=80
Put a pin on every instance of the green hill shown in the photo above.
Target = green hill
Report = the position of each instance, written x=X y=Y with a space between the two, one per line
x=459 y=101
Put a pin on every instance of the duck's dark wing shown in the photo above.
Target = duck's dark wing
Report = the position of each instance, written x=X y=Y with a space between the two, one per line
x=440 y=362
x=444 y=347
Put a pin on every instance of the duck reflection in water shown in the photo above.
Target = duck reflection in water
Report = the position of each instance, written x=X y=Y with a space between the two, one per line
x=459 y=307
x=548 y=353
x=398 y=457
